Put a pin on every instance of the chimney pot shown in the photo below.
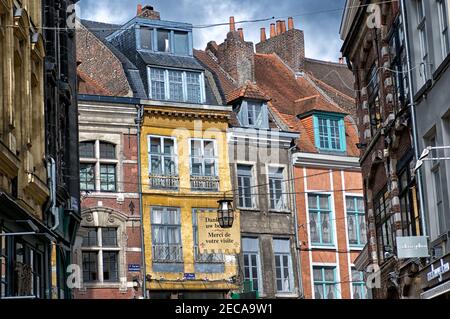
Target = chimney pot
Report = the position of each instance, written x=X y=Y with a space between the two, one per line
x=341 y=60
x=241 y=33
x=283 y=26
x=139 y=9
x=272 y=30
x=232 y=25
x=278 y=27
x=291 y=23
x=263 y=34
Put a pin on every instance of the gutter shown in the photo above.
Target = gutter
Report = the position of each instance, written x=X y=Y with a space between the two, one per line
x=297 y=240
x=139 y=119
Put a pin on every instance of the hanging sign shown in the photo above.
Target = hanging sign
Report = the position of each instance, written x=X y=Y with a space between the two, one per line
x=214 y=239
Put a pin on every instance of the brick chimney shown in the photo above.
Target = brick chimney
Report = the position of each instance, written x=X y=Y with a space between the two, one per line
x=289 y=45
x=148 y=12
x=263 y=35
x=232 y=24
x=236 y=56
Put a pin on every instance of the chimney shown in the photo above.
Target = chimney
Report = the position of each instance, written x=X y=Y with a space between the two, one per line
x=278 y=27
x=232 y=24
x=341 y=60
x=290 y=23
x=288 y=45
x=263 y=34
x=237 y=57
x=283 y=26
x=241 y=33
x=139 y=9
x=148 y=12
x=272 y=30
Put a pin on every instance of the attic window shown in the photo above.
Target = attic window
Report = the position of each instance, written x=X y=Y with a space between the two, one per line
x=163 y=40
x=253 y=114
x=329 y=131
x=146 y=38
x=181 y=44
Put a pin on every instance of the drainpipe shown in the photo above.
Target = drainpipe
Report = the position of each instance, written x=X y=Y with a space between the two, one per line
x=297 y=240
x=140 y=114
x=414 y=122
x=51 y=169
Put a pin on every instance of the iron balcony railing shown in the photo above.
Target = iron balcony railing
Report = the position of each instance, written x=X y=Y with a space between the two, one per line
x=168 y=253
x=164 y=182
x=207 y=258
x=205 y=183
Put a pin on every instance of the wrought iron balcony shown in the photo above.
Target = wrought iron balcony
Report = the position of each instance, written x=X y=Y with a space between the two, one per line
x=207 y=258
x=168 y=253
x=164 y=182
x=205 y=183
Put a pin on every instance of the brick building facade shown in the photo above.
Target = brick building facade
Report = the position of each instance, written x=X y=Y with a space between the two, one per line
x=377 y=56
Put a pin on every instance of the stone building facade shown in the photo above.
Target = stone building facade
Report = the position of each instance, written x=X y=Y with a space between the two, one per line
x=377 y=56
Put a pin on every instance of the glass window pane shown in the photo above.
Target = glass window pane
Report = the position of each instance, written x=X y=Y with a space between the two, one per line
x=176 y=85
x=87 y=150
x=107 y=178
x=90 y=266
x=87 y=177
x=158 y=84
x=163 y=41
x=146 y=38
x=107 y=151
x=181 y=43
x=110 y=266
x=193 y=87
x=109 y=237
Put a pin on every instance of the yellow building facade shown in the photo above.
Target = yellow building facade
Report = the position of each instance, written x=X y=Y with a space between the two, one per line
x=185 y=170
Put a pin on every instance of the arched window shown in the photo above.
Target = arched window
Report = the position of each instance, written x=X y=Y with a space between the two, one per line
x=98 y=166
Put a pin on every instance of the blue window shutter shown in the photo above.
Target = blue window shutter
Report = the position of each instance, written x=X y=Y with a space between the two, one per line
x=243 y=114
x=262 y=121
x=316 y=131
x=342 y=136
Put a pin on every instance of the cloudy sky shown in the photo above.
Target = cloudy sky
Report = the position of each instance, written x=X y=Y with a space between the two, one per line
x=320 y=19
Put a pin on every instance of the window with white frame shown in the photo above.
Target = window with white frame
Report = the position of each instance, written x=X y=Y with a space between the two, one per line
x=437 y=187
x=247 y=198
x=100 y=254
x=277 y=189
x=356 y=221
x=166 y=235
x=98 y=166
x=252 y=262
x=284 y=275
x=320 y=219
x=443 y=26
x=162 y=156
x=421 y=29
x=164 y=40
x=359 y=287
x=176 y=85
x=325 y=282
x=203 y=157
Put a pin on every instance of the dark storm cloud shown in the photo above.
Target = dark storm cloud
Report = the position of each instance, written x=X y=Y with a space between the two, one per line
x=321 y=29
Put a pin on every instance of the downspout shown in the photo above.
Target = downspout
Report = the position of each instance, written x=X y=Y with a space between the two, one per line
x=140 y=113
x=297 y=240
x=51 y=169
x=414 y=122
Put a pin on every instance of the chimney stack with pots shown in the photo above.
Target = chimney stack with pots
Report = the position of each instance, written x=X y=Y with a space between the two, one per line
x=241 y=33
x=148 y=12
x=289 y=44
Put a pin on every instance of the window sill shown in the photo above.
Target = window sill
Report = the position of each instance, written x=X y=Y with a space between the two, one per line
x=441 y=69
x=322 y=247
x=250 y=210
x=273 y=211
x=418 y=96
x=356 y=248
x=286 y=295
x=94 y=285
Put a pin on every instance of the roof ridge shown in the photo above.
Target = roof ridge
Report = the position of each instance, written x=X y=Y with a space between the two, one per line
x=332 y=88
x=326 y=62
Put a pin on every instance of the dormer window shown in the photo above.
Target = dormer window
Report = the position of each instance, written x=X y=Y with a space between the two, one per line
x=164 y=41
x=176 y=85
x=253 y=114
x=330 y=132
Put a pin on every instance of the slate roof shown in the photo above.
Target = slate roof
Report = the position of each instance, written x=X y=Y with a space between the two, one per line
x=167 y=60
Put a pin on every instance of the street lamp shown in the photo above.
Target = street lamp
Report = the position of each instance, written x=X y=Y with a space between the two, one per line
x=225 y=213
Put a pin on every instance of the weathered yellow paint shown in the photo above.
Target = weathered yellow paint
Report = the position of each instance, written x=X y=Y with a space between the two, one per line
x=183 y=124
